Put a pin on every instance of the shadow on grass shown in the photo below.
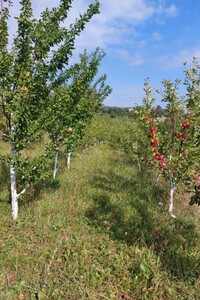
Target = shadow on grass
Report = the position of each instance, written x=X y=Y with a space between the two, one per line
x=35 y=191
x=5 y=180
x=127 y=209
x=32 y=193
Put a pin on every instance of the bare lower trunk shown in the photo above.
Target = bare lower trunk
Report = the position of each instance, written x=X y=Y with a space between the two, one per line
x=138 y=163
x=13 y=174
x=158 y=178
x=13 y=188
x=69 y=160
x=137 y=158
x=85 y=148
x=55 y=165
x=171 y=199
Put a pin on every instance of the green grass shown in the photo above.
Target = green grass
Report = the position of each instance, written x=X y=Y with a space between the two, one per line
x=98 y=233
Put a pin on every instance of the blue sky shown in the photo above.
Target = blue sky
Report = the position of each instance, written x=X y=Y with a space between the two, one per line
x=141 y=38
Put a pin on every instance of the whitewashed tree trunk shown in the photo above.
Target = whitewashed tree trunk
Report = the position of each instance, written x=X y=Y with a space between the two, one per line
x=55 y=165
x=171 y=191
x=69 y=160
x=13 y=187
x=13 y=175
x=171 y=198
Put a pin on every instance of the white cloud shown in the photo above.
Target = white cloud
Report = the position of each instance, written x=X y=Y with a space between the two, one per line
x=176 y=60
x=136 y=60
x=115 y=25
x=170 y=11
x=127 y=10
x=118 y=20
x=133 y=60
x=156 y=36
x=122 y=53
x=163 y=12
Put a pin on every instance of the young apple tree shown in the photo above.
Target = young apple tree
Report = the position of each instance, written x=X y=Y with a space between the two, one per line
x=28 y=78
x=174 y=144
x=85 y=111
x=73 y=104
x=192 y=82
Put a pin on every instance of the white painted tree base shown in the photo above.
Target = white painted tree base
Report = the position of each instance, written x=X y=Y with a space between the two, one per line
x=171 y=200
x=55 y=165
x=69 y=160
x=14 y=195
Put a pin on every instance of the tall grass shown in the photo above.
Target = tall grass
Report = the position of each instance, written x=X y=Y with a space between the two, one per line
x=98 y=233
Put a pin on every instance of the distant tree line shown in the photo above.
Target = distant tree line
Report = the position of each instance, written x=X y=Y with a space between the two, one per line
x=115 y=111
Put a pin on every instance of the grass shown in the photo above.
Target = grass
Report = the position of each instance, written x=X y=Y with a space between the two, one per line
x=98 y=232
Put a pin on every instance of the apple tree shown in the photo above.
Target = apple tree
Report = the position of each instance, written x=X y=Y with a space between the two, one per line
x=173 y=144
x=74 y=102
x=29 y=75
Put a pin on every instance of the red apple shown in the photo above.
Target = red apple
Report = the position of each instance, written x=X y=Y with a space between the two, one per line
x=161 y=165
x=152 y=129
x=184 y=135
x=185 y=125
x=178 y=135
x=148 y=119
x=155 y=141
x=157 y=156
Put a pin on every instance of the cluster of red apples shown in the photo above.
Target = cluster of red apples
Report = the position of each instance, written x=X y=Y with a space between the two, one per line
x=155 y=140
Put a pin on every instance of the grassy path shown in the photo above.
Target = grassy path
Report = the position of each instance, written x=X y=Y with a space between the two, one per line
x=98 y=233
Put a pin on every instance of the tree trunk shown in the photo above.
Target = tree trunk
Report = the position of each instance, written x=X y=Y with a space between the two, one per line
x=85 y=148
x=158 y=178
x=137 y=158
x=171 y=199
x=55 y=165
x=138 y=163
x=69 y=160
x=13 y=187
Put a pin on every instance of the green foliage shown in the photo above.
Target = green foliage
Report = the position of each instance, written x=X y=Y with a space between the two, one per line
x=73 y=105
x=31 y=91
x=118 y=132
x=195 y=199
x=27 y=74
